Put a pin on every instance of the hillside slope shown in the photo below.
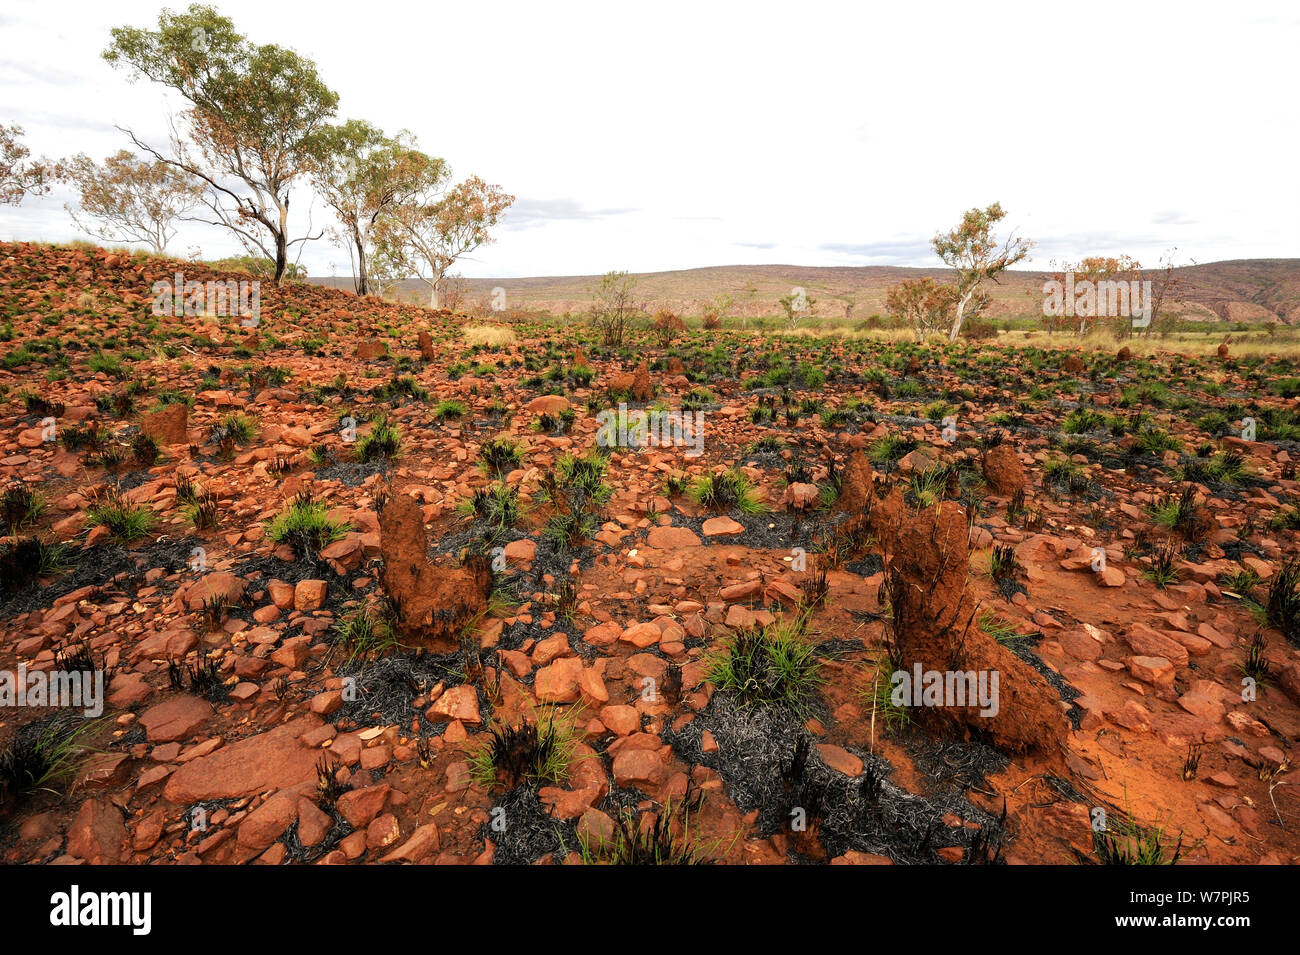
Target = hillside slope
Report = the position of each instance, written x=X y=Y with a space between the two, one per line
x=1247 y=290
x=319 y=563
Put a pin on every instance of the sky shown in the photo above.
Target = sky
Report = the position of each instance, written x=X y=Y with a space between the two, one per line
x=672 y=135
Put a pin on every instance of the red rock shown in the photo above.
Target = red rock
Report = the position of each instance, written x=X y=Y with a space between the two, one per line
x=1244 y=723
x=214 y=584
x=740 y=618
x=268 y=614
x=346 y=748
x=347 y=552
x=722 y=527
x=639 y=767
x=741 y=591
x=567 y=803
x=592 y=687
x=272 y=760
x=376 y=757
x=296 y=437
x=551 y=648
x=309 y=595
x=127 y=689
x=1079 y=644
x=1149 y=643
x=1132 y=715
x=323 y=704
x=1194 y=645
x=853 y=857
x=423 y=843
x=1207 y=709
x=641 y=635
x=383 y=832
x=104 y=771
x=595 y=828
x=547 y=404
x=671 y=538
x=558 y=683
x=1112 y=576
x=603 y=634
x=783 y=592
x=1154 y=670
x=360 y=806
x=1179 y=729
x=458 y=703
x=520 y=551
x=281 y=594
x=620 y=719
x=313 y=823
x=1288 y=679
x=840 y=759
x=517 y=663
x=293 y=653
x=98 y=833
x=148 y=831
x=176 y=718
x=1071 y=820
x=267 y=822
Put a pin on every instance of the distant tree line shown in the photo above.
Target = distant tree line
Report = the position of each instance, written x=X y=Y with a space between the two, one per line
x=260 y=123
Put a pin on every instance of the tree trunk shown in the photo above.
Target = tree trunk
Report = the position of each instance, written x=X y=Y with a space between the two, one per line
x=433 y=292
x=363 y=277
x=281 y=258
x=282 y=241
x=961 y=312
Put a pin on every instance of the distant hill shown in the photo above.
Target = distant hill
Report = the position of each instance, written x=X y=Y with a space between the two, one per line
x=1242 y=290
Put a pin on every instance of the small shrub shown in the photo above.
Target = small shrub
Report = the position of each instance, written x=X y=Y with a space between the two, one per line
x=20 y=506
x=725 y=491
x=450 y=409
x=383 y=440
x=500 y=456
x=532 y=753
x=770 y=665
x=42 y=756
x=124 y=520
x=305 y=525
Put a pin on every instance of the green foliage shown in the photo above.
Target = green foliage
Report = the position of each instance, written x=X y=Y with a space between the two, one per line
x=20 y=506
x=383 y=440
x=531 y=753
x=124 y=520
x=306 y=526
x=725 y=491
x=772 y=665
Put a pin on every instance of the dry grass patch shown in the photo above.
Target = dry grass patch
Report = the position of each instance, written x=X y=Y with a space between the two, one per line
x=488 y=335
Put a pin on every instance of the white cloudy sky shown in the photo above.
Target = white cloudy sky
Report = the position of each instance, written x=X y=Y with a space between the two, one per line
x=681 y=134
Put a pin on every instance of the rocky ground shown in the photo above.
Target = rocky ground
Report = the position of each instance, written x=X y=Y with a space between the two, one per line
x=368 y=592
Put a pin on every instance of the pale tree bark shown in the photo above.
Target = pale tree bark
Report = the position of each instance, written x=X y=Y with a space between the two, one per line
x=961 y=314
